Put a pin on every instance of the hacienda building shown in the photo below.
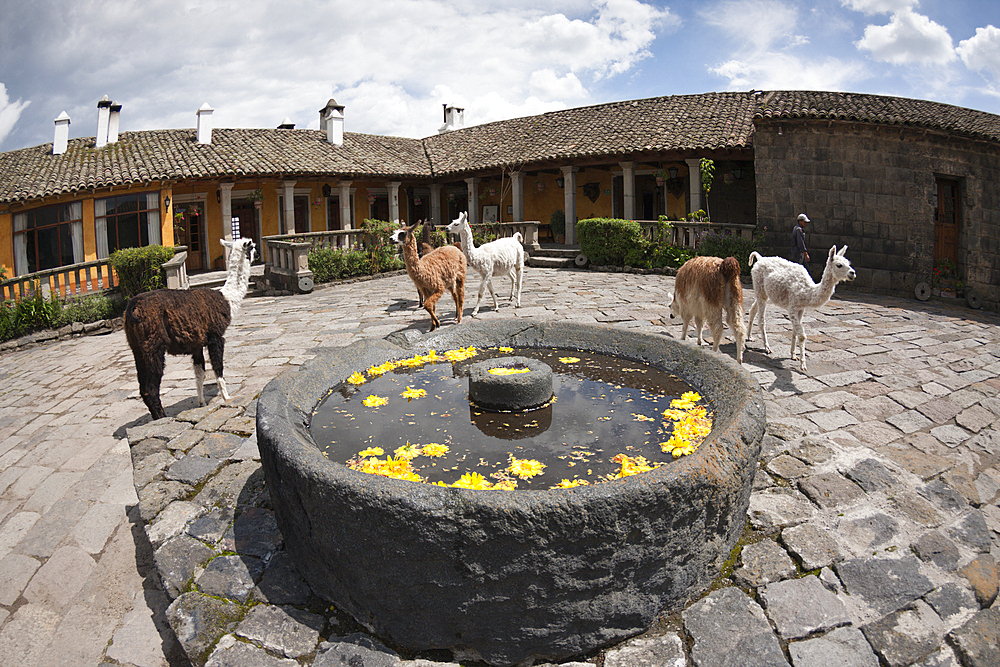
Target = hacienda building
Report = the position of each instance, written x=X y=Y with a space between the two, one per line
x=907 y=184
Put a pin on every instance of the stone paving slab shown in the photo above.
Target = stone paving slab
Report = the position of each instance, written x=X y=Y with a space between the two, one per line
x=880 y=470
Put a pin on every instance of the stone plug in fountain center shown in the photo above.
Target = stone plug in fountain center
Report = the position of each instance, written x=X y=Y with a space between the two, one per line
x=511 y=577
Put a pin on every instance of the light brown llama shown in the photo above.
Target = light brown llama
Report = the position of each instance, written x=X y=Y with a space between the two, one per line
x=173 y=321
x=705 y=288
x=439 y=270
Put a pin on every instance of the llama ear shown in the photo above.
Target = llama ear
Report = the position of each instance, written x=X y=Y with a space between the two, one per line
x=842 y=251
x=228 y=244
x=833 y=252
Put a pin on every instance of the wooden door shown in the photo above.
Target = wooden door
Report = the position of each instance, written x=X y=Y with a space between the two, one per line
x=946 y=221
x=187 y=232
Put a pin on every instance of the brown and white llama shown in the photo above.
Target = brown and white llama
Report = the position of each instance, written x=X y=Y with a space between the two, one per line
x=705 y=288
x=789 y=285
x=441 y=269
x=174 y=321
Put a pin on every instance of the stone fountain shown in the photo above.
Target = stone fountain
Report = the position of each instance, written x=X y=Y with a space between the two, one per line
x=511 y=577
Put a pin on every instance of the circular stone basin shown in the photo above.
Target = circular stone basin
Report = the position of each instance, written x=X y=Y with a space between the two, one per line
x=511 y=577
x=514 y=392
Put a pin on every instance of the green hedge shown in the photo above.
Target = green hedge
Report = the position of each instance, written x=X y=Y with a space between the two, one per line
x=139 y=269
x=607 y=241
x=378 y=255
x=717 y=244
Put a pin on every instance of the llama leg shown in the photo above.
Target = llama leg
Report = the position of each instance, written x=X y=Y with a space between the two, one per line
x=799 y=340
x=479 y=299
x=684 y=327
x=716 y=327
x=199 y=374
x=520 y=280
x=763 y=330
x=149 y=370
x=459 y=296
x=753 y=313
x=493 y=293
x=699 y=324
x=739 y=333
x=429 y=303
x=216 y=348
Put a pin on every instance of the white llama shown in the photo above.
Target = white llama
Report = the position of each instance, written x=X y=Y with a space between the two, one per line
x=173 y=321
x=503 y=257
x=789 y=286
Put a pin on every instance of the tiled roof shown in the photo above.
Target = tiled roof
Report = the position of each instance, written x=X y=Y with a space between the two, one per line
x=680 y=122
x=880 y=109
x=618 y=130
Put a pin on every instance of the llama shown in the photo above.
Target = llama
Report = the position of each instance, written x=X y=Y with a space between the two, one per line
x=425 y=247
x=184 y=322
x=789 y=286
x=439 y=270
x=503 y=257
x=705 y=288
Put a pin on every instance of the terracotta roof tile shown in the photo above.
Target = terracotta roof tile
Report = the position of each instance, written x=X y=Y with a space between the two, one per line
x=621 y=129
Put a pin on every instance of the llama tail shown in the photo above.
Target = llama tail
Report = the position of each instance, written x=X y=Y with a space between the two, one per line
x=517 y=235
x=754 y=256
x=730 y=269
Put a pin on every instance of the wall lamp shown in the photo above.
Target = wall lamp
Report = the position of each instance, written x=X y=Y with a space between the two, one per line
x=560 y=182
x=166 y=202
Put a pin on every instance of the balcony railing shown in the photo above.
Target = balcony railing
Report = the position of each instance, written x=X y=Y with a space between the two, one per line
x=686 y=234
x=63 y=283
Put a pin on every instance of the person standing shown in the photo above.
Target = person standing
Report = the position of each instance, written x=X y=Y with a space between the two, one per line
x=799 y=252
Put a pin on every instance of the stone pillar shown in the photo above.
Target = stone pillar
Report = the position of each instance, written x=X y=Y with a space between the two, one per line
x=346 y=221
x=569 y=197
x=517 y=196
x=694 y=175
x=226 y=200
x=628 y=190
x=436 y=218
x=394 y=202
x=473 y=196
x=289 y=207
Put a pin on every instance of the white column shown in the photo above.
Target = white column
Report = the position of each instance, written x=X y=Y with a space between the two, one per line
x=345 y=205
x=226 y=199
x=473 y=197
x=288 y=192
x=517 y=196
x=394 y=202
x=436 y=204
x=694 y=176
x=628 y=190
x=569 y=197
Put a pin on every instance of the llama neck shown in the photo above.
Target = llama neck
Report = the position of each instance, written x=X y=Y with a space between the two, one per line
x=410 y=255
x=822 y=291
x=237 y=283
x=467 y=247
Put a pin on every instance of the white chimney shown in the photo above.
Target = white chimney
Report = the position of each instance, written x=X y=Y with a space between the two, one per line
x=287 y=124
x=205 y=124
x=61 y=141
x=454 y=118
x=103 y=118
x=331 y=122
x=113 y=119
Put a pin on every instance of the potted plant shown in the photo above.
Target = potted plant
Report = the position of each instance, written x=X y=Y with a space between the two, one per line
x=257 y=196
x=557 y=223
x=945 y=280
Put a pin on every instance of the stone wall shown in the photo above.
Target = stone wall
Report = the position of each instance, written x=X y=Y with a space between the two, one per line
x=873 y=187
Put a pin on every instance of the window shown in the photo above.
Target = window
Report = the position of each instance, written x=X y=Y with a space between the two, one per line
x=48 y=237
x=127 y=221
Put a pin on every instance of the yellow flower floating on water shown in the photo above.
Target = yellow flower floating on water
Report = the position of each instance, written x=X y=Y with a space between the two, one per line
x=642 y=418
x=461 y=354
x=374 y=401
x=569 y=484
x=569 y=360
x=506 y=350
x=505 y=485
x=356 y=378
x=688 y=400
x=398 y=468
x=410 y=394
x=472 y=480
x=434 y=450
x=508 y=371
x=407 y=451
x=691 y=425
x=631 y=465
x=525 y=468
x=371 y=451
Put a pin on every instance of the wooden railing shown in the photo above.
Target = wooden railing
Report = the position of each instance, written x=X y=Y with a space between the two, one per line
x=63 y=283
x=687 y=234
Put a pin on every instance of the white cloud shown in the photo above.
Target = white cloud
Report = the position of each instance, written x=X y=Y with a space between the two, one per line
x=879 y=6
x=780 y=71
x=909 y=38
x=9 y=112
x=981 y=52
x=545 y=84
x=758 y=25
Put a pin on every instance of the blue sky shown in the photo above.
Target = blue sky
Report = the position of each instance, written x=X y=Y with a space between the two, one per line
x=393 y=63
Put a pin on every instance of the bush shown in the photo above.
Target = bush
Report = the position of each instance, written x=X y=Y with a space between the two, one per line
x=383 y=255
x=557 y=222
x=31 y=313
x=716 y=244
x=139 y=269
x=91 y=308
x=329 y=264
x=606 y=241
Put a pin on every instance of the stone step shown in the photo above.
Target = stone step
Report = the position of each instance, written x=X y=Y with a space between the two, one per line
x=551 y=262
